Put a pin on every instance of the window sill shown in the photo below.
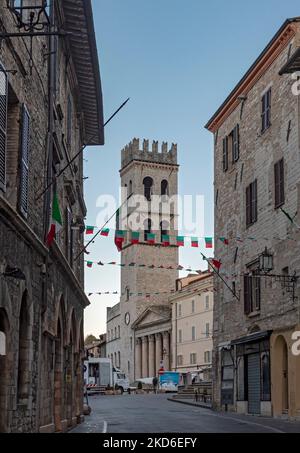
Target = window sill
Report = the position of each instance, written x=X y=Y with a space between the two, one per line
x=253 y=314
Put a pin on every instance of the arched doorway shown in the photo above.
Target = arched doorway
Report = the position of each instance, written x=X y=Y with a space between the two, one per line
x=4 y=331
x=281 y=385
x=58 y=387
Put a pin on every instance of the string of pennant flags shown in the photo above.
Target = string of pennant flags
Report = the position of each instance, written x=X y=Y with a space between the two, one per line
x=180 y=241
x=90 y=264
x=141 y=294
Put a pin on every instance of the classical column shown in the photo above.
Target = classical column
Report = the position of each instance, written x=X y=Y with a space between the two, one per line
x=151 y=356
x=138 y=358
x=145 y=357
x=158 y=351
x=166 y=350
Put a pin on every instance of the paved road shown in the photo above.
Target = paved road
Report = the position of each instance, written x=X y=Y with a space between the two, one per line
x=155 y=414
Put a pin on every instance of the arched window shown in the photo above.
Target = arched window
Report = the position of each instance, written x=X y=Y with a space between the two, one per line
x=115 y=332
x=127 y=292
x=119 y=359
x=24 y=345
x=164 y=187
x=164 y=228
x=147 y=228
x=148 y=184
x=130 y=187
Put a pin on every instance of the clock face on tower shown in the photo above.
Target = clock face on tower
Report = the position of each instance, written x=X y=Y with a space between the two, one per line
x=127 y=319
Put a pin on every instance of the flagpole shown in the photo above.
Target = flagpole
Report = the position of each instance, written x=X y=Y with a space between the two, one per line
x=101 y=229
x=219 y=275
x=78 y=154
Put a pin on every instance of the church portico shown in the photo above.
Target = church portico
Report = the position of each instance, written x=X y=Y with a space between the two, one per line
x=152 y=346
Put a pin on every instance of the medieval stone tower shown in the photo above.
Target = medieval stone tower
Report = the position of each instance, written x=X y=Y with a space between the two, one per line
x=151 y=176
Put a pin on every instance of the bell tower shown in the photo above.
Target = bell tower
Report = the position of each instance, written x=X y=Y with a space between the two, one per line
x=151 y=178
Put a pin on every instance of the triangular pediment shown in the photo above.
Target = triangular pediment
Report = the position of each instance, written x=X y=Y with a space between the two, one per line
x=153 y=315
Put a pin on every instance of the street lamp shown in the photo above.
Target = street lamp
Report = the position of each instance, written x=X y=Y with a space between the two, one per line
x=266 y=261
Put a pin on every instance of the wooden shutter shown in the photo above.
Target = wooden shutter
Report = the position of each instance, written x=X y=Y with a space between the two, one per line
x=236 y=143
x=279 y=183
x=257 y=293
x=254 y=202
x=268 y=113
x=24 y=161
x=3 y=126
x=225 y=154
x=247 y=294
x=248 y=206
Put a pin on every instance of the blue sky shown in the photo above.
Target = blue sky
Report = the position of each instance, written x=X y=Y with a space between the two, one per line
x=177 y=61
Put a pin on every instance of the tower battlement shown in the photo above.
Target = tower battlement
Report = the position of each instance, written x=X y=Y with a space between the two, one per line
x=162 y=154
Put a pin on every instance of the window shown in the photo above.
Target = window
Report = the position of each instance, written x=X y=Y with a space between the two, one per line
x=127 y=292
x=130 y=187
x=207 y=330
x=179 y=360
x=179 y=336
x=24 y=160
x=193 y=358
x=193 y=306
x=69 y=120
x=3 y=126
x=147 y=227
x=251 y=203
x=119 y=359
x=265 y=376
x=128 y=366
x=225 y=154
x=164 y=226
x=116 y=332
x=279 y=183
x=119 y=332
x=252 y=294
x=130 y=343
x=266 y=111
x=148 y=183
x=179 y=310
x=193 y=333
x=235 y=143
x=207 y=302
x=207 y=358
x=164 y=188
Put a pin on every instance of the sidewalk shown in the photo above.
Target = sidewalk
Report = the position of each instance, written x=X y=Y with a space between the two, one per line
x=190 y=402
x=93 y=424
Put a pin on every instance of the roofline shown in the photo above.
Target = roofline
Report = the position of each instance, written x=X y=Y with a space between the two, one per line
x=94 y=53
x=211 y=124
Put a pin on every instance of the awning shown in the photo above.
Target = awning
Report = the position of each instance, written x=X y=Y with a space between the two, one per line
x=293 y=65
x=252 y=338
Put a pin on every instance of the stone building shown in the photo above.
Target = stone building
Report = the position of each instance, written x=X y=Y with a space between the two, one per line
x=257 y=180
x=192 y=324
x=49 y=108
x=113 y=334
x=145 y=318
x=97 y=348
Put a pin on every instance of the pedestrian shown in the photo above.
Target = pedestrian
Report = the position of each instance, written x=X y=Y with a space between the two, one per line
x=155 y=382
x=196 y=395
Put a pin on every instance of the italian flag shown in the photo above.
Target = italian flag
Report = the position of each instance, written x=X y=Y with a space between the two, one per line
x=89 y=264
x=195 y=242
x=180 y=241
x=135 y=237
x=217 y=264
x=105 y=232
x=166 y=240
x=209 y=243
x=56 y=222
x=151 y=238
x=119 y=239
x=89 y=230
x=225 y=241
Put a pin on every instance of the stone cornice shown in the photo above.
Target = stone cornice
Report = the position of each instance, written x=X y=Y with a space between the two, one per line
x=148 y=164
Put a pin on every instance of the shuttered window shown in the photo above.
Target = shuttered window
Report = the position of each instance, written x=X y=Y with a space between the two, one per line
x=225 y=154
x=252 y=294
x=279 y=183
x=24 y=164
x=266 y=110
x=69 y=237
x=3 y=126
x=251 y=203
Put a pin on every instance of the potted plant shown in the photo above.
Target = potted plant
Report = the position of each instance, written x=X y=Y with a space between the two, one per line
x=140 y=387
x=109 y=390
